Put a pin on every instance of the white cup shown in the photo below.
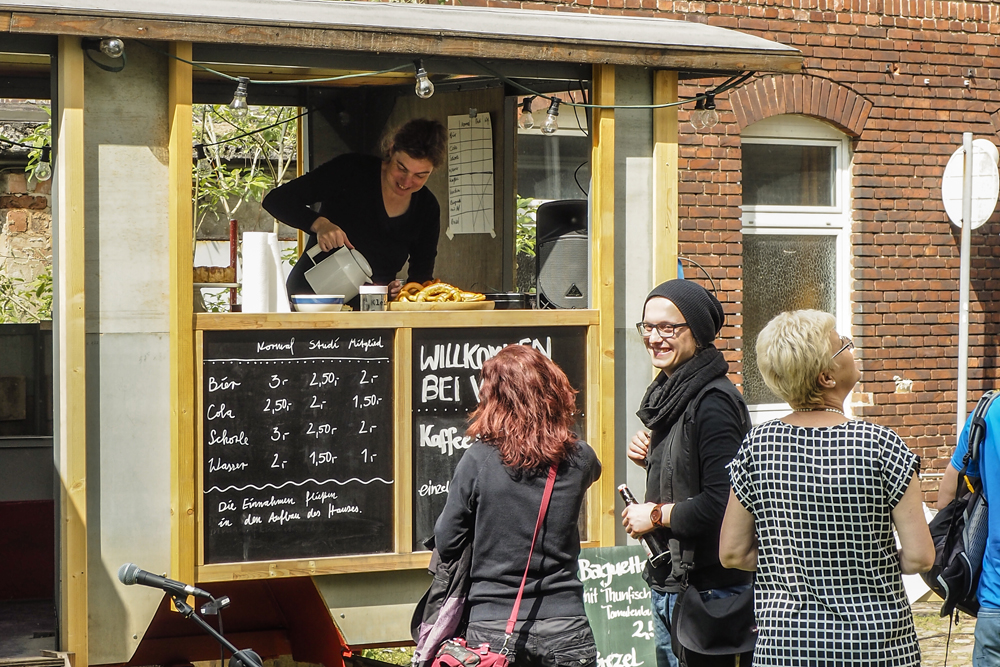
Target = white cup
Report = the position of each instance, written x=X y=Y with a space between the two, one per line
x=373 y=297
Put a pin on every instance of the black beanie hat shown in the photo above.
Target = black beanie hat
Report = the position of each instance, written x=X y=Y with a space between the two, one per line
x=701 y=310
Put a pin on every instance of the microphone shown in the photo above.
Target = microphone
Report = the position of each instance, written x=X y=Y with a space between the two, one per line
x=130 y=574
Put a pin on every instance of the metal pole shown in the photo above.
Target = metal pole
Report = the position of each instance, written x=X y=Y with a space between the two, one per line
x=963 y=290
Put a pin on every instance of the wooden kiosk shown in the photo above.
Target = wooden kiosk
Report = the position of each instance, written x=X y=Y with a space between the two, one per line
x=295 y=461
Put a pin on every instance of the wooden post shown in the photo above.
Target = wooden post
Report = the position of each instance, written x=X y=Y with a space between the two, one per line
x=182 y=371
x=602 y=230
x=664 y=178
x=70 y=334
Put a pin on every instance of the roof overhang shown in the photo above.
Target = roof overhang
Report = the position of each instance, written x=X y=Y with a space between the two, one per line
x=403 y=28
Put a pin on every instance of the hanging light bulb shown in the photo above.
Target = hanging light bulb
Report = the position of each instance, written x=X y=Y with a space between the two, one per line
x=698 y=115
x=424 y=86
x=112 y=47
x=239 y=105
x=526 y=121
x=551 y=118
x=710 y=117
x=43 y=168
x=204 y=165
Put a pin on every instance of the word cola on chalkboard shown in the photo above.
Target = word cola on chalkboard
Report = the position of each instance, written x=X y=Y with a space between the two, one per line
x=297 y=444
x=445 y=370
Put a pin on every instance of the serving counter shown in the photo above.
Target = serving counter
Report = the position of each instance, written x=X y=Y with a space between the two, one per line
x=326 y=441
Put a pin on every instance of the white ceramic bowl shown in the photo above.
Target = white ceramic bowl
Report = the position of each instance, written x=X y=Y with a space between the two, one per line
x=317 y=303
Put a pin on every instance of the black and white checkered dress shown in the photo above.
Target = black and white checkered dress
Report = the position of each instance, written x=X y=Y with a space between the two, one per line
x=829 y=589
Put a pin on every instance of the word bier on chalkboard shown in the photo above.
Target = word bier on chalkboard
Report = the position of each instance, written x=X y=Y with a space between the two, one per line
x=446 y=365
x=297 y=444
x=617 y=601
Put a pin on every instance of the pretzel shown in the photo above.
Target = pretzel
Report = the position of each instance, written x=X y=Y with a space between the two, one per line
x=433 y=292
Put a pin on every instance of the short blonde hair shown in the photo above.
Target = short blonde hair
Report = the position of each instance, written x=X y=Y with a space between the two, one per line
x=792 y=350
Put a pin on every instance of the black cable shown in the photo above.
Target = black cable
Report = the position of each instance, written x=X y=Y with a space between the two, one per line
x=575 y=178
x=707 y=274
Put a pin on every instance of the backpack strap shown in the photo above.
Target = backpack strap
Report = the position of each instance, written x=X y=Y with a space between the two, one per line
x=977 y=427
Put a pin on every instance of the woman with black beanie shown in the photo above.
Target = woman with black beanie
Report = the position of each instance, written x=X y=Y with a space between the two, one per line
x=696 y=419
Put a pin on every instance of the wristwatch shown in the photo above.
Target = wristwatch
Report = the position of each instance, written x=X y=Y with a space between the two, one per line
x=656 y=515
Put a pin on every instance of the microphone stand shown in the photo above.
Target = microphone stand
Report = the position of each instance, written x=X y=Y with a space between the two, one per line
x=244 y=658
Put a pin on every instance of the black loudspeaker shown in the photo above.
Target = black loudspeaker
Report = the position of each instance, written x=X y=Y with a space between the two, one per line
x=561 y=237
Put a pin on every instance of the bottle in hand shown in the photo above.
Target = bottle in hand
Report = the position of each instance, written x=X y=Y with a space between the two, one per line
x=656 y=546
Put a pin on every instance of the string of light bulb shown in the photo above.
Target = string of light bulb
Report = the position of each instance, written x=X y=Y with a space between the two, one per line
x=43 y=168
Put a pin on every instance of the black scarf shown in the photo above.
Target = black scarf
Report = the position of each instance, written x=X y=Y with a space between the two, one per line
x=667 y=397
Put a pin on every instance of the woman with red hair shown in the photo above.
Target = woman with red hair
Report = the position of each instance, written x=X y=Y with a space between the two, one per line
x=523 y=426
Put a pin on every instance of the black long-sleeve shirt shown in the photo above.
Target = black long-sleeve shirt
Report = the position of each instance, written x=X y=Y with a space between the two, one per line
x=349 y=192
x=487 y=500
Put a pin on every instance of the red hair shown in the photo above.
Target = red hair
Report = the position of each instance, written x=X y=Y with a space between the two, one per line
x=526 y=408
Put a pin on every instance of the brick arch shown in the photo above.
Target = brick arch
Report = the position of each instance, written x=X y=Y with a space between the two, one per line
x=801 y=94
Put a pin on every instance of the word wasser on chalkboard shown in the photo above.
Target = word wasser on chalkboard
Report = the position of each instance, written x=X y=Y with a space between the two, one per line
x=445 y=371
x=297 y=446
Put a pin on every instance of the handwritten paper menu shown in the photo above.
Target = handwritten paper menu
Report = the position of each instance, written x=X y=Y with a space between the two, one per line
x=297 y=444
x=470 y=175
x=446 y=365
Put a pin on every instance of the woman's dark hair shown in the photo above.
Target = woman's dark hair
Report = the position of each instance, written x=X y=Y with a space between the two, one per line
x=526 y=408
x=420 y=138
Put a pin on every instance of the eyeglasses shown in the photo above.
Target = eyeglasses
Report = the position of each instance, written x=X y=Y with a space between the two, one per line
x=849 y=345
x=663 y=329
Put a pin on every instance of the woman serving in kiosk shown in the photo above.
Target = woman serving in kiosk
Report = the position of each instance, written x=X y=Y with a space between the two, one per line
x=379 y=207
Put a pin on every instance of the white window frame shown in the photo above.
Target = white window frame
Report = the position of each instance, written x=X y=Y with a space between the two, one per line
x=806 y=220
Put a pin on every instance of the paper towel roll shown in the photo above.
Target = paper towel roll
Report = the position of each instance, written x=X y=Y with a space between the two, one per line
x=280 y=291
x=263 y=287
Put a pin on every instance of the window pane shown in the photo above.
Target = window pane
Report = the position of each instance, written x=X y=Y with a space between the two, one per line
x=788 y=175
x=553 y=167
x=782 y=273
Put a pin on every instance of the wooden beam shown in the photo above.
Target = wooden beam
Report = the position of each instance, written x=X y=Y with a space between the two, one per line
x=71 y=349
x=370 y=40
x=602 y=248
x=403 y=439
x=182 y=365
x=665 y=198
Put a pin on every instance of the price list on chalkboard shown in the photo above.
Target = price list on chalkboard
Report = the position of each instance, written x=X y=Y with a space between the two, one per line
x=297 y=444
x=446 y=365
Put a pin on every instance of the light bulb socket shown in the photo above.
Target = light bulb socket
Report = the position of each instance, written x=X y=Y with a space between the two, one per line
x=526 y=104
x=553 y=107
x=241 y=86
x=709 y=100
x=46 y=154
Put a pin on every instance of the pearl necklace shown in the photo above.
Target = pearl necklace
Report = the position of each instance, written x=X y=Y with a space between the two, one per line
x=839 y=412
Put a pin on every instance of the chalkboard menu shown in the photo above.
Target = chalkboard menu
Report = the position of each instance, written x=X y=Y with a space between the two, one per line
x=617 y=603
x=298 y=444
x=446 y=364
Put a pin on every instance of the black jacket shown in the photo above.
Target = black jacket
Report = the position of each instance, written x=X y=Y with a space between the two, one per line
x=499 y=507
x=689 y=457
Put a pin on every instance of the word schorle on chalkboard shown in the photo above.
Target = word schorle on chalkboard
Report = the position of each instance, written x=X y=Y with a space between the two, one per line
x=297 y=444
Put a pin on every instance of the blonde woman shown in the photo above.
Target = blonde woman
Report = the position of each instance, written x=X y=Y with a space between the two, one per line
x=814 y=499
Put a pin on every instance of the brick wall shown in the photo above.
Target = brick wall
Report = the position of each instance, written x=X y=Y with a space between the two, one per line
x=895 y=76
x=25 y=225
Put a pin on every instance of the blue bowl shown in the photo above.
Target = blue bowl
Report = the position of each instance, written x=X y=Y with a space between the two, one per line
x=317 y=303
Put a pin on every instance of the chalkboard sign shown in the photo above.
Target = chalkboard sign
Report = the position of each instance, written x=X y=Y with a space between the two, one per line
x=298 y=444
x=446 y=364
x=617 y=603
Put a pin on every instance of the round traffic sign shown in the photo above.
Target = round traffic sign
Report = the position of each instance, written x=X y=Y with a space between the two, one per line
x=985 y=183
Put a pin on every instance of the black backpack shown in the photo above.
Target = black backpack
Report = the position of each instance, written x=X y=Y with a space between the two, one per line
x=959 y=530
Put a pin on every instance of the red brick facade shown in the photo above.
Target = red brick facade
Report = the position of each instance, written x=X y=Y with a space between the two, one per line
x=904 y=79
